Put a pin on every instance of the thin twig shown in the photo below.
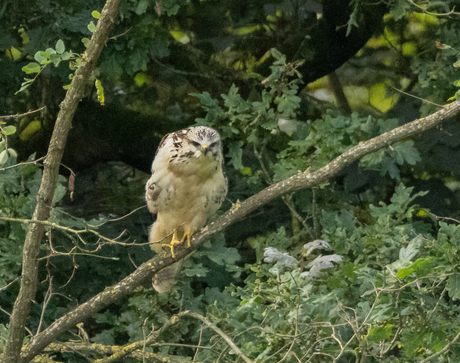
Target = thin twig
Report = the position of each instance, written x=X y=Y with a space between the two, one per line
x=21 y=115
x=46 y=300
x=23 y=163
x=77 y=232
x=452 y=12
x=7 y=313
x=12 y=282
x=220 y=332
x=418 y=98
x=120 y=35
x=199 y=343
x=442 y=350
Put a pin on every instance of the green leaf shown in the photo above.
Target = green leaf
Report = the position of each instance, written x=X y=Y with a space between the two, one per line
x=159 y=48
x=141 y=7
x=9 y=130
x=86 y=42
x=55 y=58
x=220 y=254
x=407 y=253
x=32 y=68
x=12 y=153
x=95 y=14
x=380 y=333
x=60 y=47
x=40 y=56
x=399 y=9
x=235 y=152
x=197 y=270
x=91 y=27
x=105 y=337
x=453 y=286
x=171 y=7
x=420 y=267
x=289 y=103
x=406 y=152
x=24 y=85
x=3 y=157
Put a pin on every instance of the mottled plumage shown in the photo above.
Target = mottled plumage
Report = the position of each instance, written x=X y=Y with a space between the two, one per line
x=187 y=187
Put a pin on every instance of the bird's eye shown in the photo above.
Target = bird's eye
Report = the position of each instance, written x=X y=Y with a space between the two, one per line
x=214 y=144
x=196 y=144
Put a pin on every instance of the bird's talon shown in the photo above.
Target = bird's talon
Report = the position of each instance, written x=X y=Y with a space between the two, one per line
x=187 y=234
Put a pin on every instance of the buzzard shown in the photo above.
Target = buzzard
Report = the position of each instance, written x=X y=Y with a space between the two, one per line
x=187 y=186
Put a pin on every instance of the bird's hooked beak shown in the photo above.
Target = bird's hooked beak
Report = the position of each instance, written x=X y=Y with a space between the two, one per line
x=204 y=149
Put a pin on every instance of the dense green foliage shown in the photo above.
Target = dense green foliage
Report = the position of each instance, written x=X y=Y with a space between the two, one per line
x=362 y=269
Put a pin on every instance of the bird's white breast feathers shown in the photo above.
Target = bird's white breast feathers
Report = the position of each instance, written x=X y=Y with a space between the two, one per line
x=186 y=187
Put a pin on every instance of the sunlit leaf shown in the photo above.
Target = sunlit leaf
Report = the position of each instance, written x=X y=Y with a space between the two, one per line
x=15 y=53
x=100 y=92
x=30 y=130
x=380 y=333
x=141 y=78
x=180 y=36
x=32 y=68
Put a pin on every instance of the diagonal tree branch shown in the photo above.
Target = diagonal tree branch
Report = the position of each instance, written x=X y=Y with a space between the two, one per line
x=301 y=180
x=48 y=184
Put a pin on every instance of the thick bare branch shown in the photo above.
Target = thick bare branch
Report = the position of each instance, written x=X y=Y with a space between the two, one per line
x=301 y=180
x=48 y=184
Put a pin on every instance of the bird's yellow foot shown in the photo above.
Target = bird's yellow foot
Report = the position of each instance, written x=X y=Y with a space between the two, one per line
x=187 y=234
x=174 y=242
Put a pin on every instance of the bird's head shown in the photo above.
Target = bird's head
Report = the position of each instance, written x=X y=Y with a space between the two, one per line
x=204 y=140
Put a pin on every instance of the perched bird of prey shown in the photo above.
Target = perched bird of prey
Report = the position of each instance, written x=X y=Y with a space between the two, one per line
x=187 y=186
